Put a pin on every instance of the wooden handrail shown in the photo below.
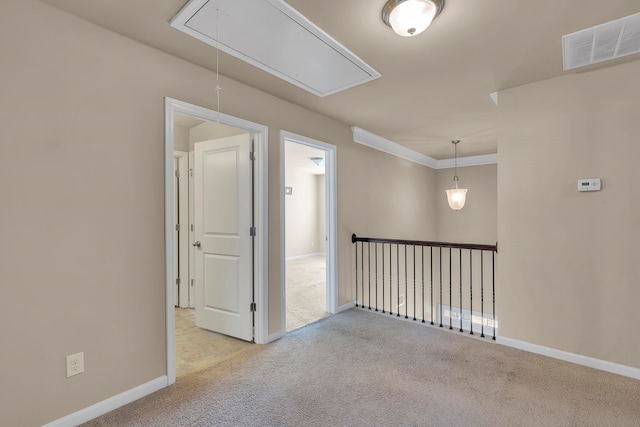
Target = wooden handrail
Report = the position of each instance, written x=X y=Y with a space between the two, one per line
x=493 y=248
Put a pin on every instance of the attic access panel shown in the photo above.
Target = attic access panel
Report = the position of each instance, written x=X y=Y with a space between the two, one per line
x=276 y=38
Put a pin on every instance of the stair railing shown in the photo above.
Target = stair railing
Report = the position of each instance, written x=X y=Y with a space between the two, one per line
x=410 y=277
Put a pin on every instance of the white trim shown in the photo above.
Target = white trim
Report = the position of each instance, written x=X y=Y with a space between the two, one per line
x=494 y=97
x=379 y=143
x=331 y=218
x=277 y=334
x=261 y=274
x=345 y=307
x=107 y=405
x=603 y=365
x=484 y=159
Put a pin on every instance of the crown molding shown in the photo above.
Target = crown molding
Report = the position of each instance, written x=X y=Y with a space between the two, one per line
x=484 y=159
x=379 y=143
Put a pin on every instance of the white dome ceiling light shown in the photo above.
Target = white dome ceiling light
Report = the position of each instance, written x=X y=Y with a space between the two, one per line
x=410 y=17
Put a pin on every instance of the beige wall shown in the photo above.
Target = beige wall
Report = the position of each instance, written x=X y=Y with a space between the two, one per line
x=181 y=138
x=477 y=221
x=567 y=260
x=302 y=211
x=82 y=184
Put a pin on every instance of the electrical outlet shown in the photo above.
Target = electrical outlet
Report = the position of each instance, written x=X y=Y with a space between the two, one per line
x=75 y=364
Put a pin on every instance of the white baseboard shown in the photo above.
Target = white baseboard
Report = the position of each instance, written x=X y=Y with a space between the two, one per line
x=291 y=258
x=114 y=402
x=603 y=365
x=276 y=335
x=345 y=307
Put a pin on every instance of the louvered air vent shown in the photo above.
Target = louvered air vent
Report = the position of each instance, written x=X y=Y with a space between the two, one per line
x=602 y=42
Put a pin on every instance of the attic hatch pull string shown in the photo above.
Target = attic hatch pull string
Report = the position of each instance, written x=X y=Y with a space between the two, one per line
x=217 y=62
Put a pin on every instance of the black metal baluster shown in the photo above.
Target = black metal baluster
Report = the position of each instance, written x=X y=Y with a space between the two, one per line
x=383 y=278
x=482 y=293
x=441 y=286
x=356 y=243
x=369 y=264
x=390 y=281
x=431 y=273
x=471 y=290
x=362 y=270
x=376 y=246
x=493 y=278
x=406 y=284
x=460 y=276
x=398 y=274
x=414 y=282
x=422 y=293
x=450 y=290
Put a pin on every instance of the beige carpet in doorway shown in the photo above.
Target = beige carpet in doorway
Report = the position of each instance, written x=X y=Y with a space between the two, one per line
x=362 y=369
x=305 y=291
x=198 y=348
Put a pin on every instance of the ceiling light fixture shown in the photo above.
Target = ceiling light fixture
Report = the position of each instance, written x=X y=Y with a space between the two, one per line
x=456 y=196
x=317 y=160
x=410 y=17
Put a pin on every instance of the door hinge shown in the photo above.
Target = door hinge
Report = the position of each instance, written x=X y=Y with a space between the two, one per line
x=177 y=173
x=191 y=282
x=252 y=232
x=191 y=172
x=177 y=227
x=253 y=307
x=252 y=155
x=178 y=281
x=191 y=227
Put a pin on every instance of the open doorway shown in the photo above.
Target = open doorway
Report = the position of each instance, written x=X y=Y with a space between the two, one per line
x=212 y=142
x=308 y=230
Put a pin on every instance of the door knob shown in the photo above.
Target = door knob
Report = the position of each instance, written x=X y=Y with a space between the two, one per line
x=196 y=243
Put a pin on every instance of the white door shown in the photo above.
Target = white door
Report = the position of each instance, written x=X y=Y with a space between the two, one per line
x=223 y=221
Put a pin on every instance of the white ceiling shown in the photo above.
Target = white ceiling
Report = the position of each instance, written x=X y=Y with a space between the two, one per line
x=434 y=87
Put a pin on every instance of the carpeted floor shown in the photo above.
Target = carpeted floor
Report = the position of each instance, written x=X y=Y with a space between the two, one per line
x=361 y=369
x=198 y=348
x=305 y=291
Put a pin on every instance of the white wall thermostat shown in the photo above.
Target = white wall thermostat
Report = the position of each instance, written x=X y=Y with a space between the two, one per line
x=589 y=184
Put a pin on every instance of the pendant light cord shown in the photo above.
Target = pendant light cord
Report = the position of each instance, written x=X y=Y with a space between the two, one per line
x=455 y=163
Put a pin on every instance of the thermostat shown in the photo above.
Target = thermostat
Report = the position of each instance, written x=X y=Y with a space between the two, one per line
x=589 y=184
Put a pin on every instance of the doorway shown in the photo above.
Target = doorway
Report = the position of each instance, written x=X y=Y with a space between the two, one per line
x=308 y=240
x=185 y=124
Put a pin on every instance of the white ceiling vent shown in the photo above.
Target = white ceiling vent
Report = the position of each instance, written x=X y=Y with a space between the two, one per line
x=276 y=38
x=602 y=42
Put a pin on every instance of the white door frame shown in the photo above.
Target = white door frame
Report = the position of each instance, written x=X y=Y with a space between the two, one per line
x=260 y=202
x=331 y=218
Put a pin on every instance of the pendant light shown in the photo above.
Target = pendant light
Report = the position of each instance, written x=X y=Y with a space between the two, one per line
x=456 y=196
x=410 y=17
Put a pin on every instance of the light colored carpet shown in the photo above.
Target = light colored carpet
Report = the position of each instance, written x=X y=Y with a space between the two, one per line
x=198 y=348
x=362 y=369
x=306 y=303
x=305 y=291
